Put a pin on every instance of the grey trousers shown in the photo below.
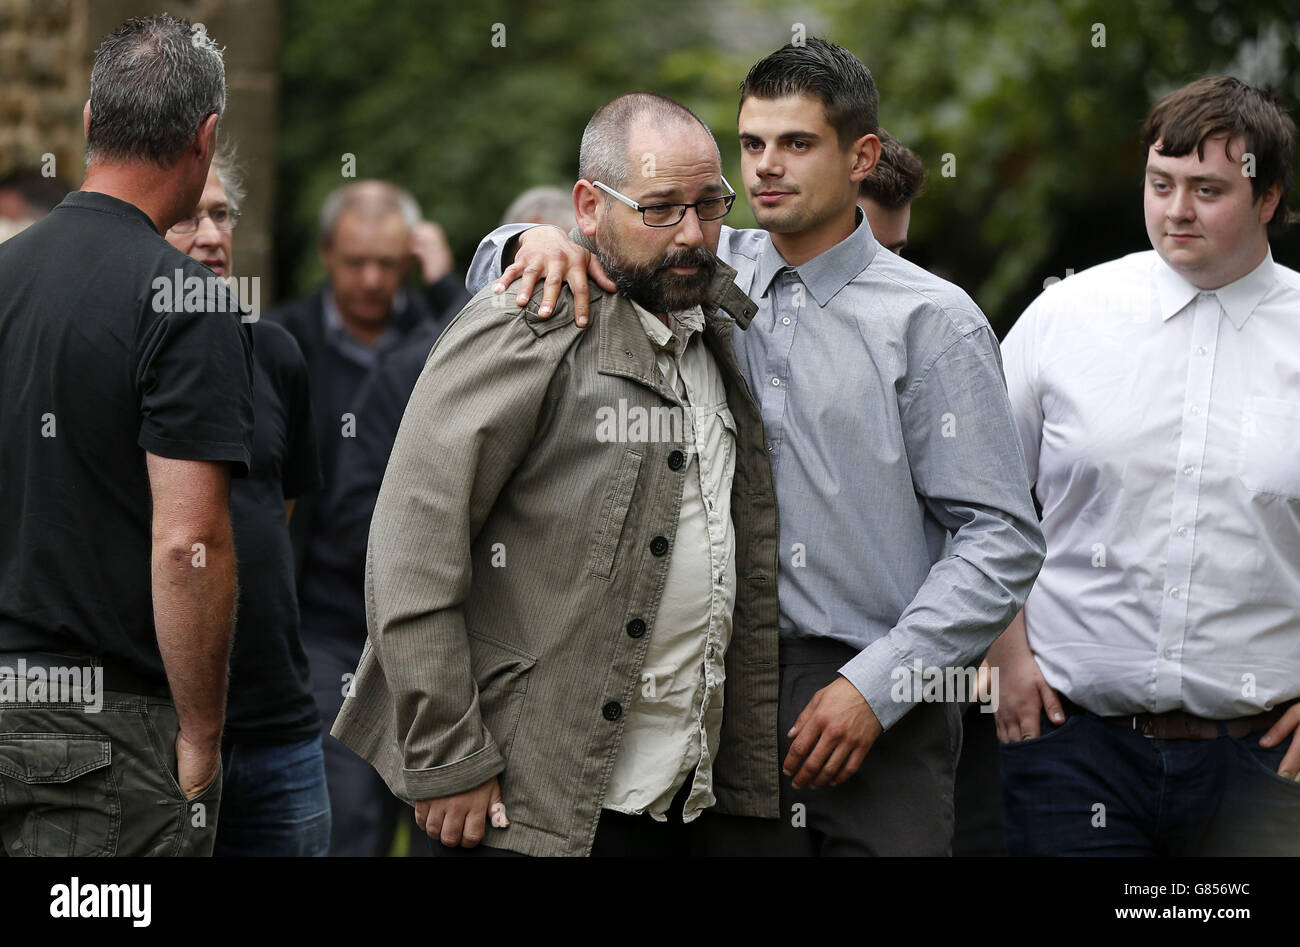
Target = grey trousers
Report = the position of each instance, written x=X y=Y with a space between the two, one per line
x=900 y=802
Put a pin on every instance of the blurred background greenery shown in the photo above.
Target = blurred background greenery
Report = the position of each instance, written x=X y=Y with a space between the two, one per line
x=1041 y=120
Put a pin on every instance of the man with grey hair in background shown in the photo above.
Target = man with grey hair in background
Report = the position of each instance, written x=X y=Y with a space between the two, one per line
x=348 y=329
x=545 y=204
x=126 y=377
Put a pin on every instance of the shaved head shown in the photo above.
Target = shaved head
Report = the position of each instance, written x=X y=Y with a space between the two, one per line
x=605 y=155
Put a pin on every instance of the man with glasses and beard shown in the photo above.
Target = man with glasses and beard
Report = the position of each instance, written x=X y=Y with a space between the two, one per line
x=571 y=578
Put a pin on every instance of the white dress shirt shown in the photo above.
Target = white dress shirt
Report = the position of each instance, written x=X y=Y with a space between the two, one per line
x=1161 y=426
x=673 y=723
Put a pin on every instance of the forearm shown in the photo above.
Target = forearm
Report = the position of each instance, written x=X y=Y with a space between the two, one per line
x=1012 y=643
x=194 y=596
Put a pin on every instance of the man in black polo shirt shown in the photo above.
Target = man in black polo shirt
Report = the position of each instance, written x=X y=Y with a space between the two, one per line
x=126 y=379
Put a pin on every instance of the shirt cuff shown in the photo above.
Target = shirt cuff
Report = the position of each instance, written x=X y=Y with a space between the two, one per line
x=874 y=672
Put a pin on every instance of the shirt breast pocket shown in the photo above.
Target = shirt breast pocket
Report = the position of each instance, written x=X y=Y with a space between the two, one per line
x=613 y=514
x=1268 y=459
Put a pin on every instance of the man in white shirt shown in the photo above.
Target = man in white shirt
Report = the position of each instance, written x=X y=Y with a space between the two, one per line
x=1148 y=688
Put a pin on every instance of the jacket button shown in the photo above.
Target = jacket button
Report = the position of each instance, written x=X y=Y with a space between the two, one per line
x=635 y=628
x=658 y=546
x=612 y=711
x=676 y=460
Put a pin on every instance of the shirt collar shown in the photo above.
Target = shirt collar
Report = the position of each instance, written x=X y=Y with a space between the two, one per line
x=827 y=273
x=1238 y=299
x=346 y=343
x=688 y=322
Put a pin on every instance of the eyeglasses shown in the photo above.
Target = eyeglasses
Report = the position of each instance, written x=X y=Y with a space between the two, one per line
x=221 y=219
x=669 y=215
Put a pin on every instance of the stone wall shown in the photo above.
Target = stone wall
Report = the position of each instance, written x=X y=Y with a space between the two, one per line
x=46 y=50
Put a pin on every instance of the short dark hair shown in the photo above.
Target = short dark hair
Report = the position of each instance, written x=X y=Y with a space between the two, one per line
x=155 y=81
x=898 y=177
x=823 y=71
x=1223 y=105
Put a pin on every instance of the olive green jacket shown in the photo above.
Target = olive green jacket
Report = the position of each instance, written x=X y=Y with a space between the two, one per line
x=517 y=558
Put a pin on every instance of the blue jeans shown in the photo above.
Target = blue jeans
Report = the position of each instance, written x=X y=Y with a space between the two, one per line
x=274 y=801
x=1089 y=787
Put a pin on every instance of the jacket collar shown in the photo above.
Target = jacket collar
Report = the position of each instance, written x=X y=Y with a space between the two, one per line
x=625 y=349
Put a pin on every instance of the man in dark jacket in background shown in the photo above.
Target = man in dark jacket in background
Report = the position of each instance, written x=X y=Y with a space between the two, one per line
x=370 y=233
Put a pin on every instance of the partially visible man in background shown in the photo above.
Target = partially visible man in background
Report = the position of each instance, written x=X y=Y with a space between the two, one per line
x=544 y=204
x=348 y=329
x=125 y=418
x=886 y=194
x=274 y=801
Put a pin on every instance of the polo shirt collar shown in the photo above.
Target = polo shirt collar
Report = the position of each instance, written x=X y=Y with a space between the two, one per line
x=1238 y=299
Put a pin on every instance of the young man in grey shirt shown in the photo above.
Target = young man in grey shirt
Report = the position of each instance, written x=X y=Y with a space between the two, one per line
x=908 y=536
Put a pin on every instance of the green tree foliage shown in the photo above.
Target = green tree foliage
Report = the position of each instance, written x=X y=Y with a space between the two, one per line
x=1040 y=119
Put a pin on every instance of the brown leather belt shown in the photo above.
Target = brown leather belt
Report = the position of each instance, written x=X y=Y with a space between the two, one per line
x=1177 y=725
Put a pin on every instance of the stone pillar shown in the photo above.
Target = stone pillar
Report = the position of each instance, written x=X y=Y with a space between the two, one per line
x=46 y=51
x=44 y=81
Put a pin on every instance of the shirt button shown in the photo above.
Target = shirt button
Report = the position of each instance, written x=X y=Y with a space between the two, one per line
x=785 y=321
x=1173 y=593
x=1188 y=470
x=627 y=352
x=1196 y=409
x=658 y=546
x=1202 y=350
x=1167 y=654
x=776 y=382
x=1182 y=531
x=635 y=628
x=612 y=711
x=676 y=460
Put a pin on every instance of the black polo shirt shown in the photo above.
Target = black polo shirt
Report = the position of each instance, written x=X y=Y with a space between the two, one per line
x=94 y=372
x=270 y=700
